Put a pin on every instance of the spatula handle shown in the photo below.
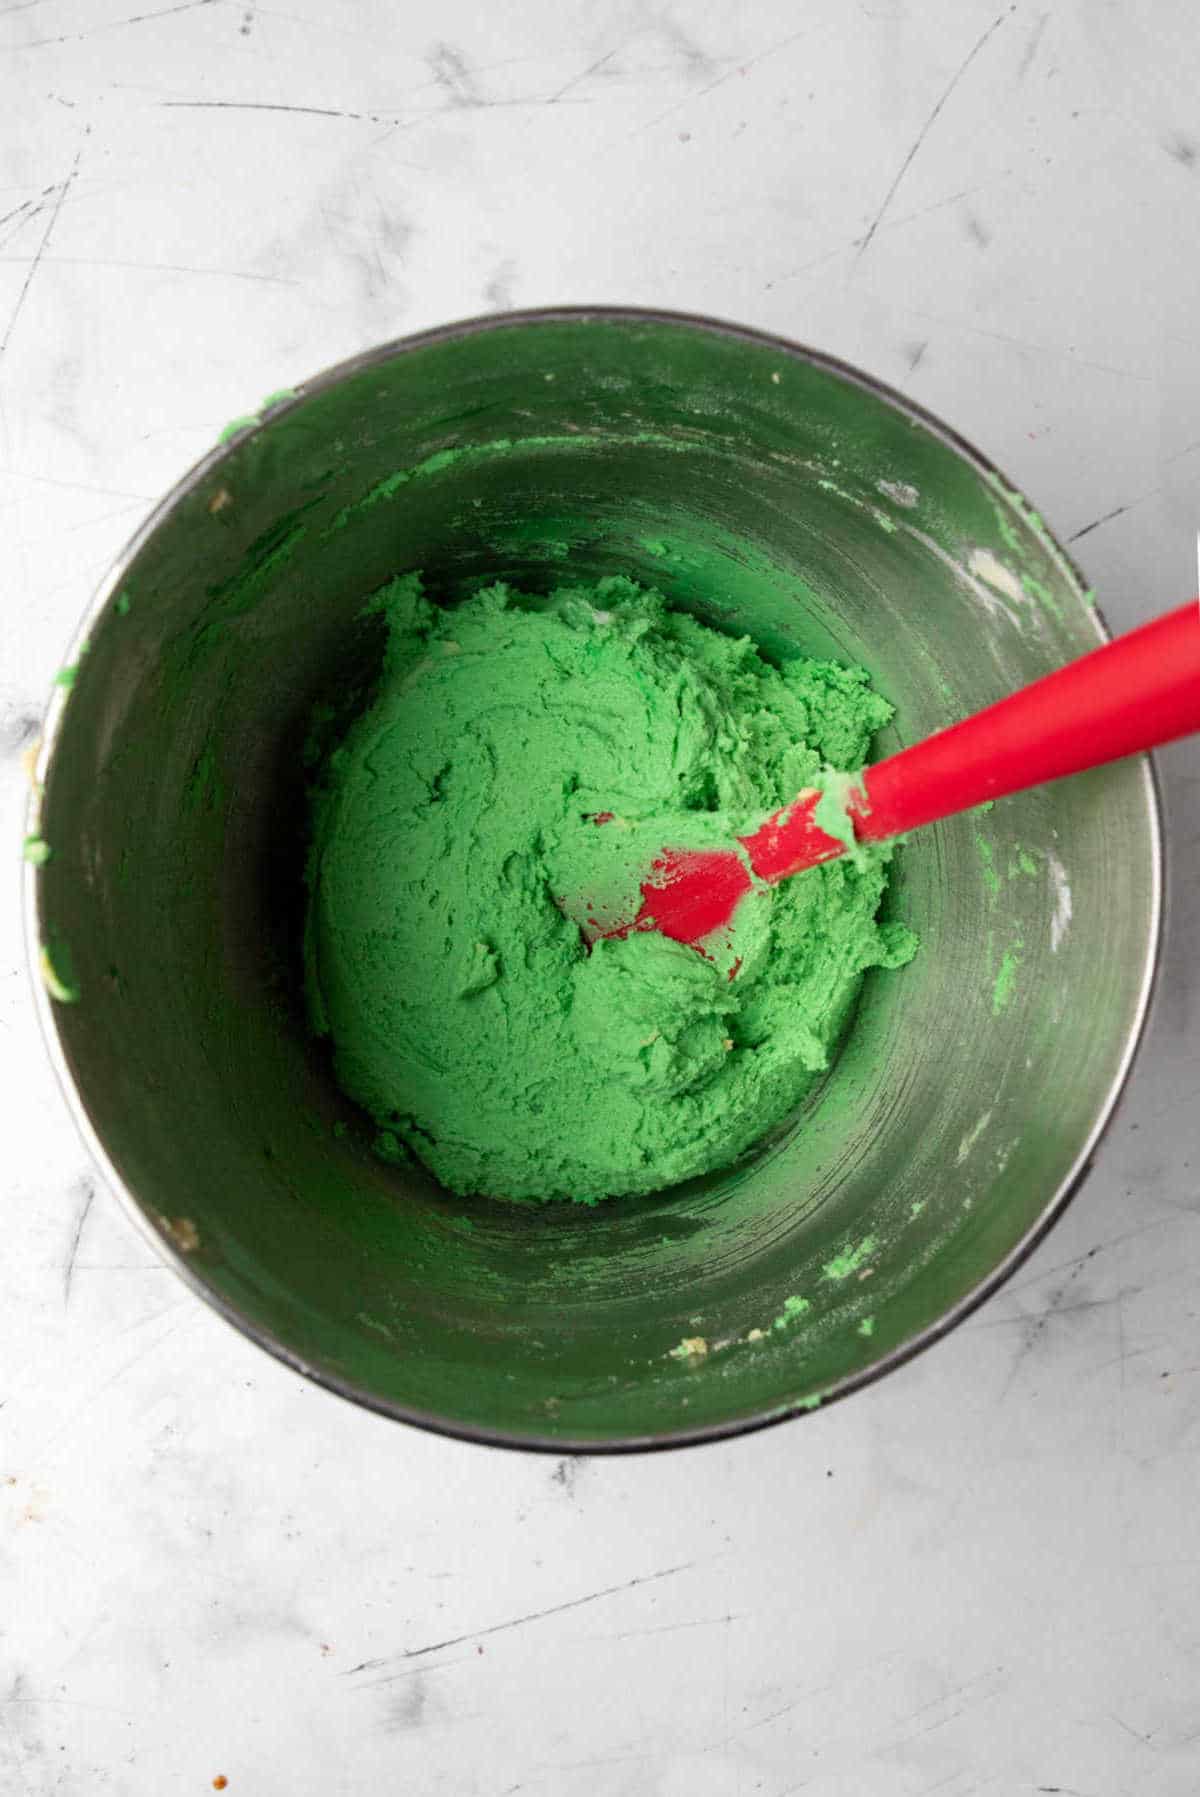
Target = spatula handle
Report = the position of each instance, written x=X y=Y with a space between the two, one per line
x=1129 y=695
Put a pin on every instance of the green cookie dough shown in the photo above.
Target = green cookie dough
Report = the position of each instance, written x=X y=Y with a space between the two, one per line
x=460 y=812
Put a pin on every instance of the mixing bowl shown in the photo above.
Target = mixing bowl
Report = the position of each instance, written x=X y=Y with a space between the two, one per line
x=771 y=491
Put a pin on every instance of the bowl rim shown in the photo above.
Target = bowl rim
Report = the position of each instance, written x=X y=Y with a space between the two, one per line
x=141 y=1215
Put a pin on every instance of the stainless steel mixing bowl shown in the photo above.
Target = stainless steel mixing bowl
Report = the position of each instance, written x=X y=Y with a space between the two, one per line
x=773 y=491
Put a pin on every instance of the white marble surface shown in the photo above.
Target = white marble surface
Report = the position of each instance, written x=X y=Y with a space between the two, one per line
x=984 y=1574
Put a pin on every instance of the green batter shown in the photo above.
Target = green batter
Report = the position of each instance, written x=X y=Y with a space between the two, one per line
x=459 y=815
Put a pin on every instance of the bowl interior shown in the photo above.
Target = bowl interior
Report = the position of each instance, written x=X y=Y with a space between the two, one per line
x=773 y=494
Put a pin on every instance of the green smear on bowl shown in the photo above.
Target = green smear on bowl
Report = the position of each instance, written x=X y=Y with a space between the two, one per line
x=58 y=973
x=842 y=1266
x=792 y=1308
x=1006 y=979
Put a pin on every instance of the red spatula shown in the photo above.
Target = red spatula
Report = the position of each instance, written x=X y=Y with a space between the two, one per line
x=1130 y=695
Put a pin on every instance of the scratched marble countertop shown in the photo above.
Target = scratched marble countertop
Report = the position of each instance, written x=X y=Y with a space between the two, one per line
x=983 y=1575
